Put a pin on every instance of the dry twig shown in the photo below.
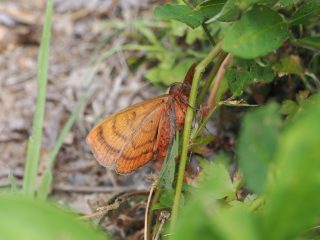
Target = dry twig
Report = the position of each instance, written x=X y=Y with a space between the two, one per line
x=217 y=82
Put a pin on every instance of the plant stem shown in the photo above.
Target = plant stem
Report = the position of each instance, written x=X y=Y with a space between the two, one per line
x=217 y=82
x=204 y=26
x=205 y=121
x=187 y=130
x=211 y=77
x=206 y=30
x=34 y=143
x=148 y=209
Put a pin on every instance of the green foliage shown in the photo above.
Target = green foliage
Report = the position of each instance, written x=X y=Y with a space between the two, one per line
x=215 y=180
x=210 y=8
x=168 y=168
x=257 y=145
x=311 y=42
x=228 y=13
x=297 y=178
x=289 y=65
x=24 y=218
x=215 y=184
x=288 y=2
x=307 y=13
x=182 y=13
x=244 y=4
x=243 y=72
x=291 y=197
x=167 y=74
x=289 y=108
x=258 y=32
x=258 y=29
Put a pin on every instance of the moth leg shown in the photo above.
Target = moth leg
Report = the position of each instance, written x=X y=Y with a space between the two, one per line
x=185 y=102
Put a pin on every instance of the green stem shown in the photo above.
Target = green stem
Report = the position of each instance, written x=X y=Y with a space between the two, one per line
x=205 y=121
x=256 y=204
x=187 y=130
x=204 y=26
x=206 y=30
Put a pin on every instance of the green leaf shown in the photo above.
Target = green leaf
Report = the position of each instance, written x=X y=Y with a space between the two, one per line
x=237 y=80
x=289 y=65
x=229 y=12
x=311 y=42
x=195 y=223
x=259 y=31
x=23 y=218
x=168 y=167
x=289 y=108
x=196 y=217
x=202 y=140
x=165 y=200
x=288 y=2
x=308 y=12
x=244 y=4
x=244 y=72
x=194 y=34
x=167 y=75
x=257 y=145
x=182 y=13
x=293 y=204
x=210 y=8
x=216 y=182
x=236 y=223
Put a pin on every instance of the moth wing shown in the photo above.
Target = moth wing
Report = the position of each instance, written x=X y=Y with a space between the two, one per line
x=110 y=138
x=143 y=145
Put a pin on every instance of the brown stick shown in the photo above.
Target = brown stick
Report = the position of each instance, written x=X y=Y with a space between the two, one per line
x=146 y=222
x=217 y=82
x=102 y=210
x=164 y=216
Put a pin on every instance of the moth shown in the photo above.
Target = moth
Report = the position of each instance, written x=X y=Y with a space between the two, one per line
x=129 y=139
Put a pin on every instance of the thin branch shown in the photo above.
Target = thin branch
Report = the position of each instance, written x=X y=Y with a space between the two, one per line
x=91 y=189
x=206 y=30
x=146 y=222
x=187 y=130
x=155 y=199
x=217 y=82
x=211 y=77
x=204 y=26
x=164 y=216
x=103 y=210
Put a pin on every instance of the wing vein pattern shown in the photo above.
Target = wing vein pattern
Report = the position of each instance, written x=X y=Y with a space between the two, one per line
x=126 y=140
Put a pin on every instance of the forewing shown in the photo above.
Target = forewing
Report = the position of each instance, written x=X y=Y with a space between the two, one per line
x=109 y=138
x=142 y=146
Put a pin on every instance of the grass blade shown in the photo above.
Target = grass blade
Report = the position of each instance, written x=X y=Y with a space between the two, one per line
x=34 y=144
